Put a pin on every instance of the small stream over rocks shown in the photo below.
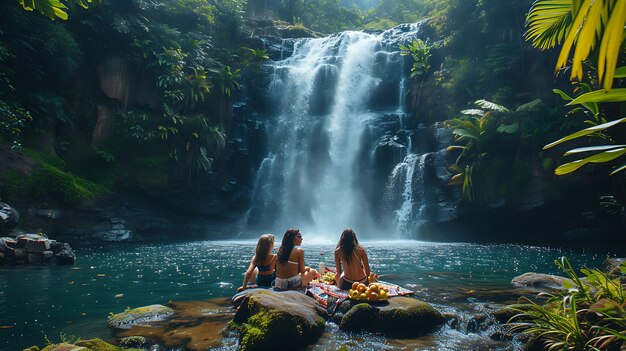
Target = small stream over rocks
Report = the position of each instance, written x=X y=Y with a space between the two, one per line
x=465 y=282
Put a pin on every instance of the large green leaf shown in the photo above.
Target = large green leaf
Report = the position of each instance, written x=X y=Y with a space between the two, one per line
x=529 y=106
x=562 y=94
x=593 y=148
x=614 y=95
x=586 y=131
x=620 y=72
x=473 y=112
x=597 y=158
x=491 y=106
x=466 y=133
x=611 y=45
x=508 y=128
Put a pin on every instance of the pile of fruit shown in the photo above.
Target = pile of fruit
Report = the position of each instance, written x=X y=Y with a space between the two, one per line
x=327 y=277
x=373 y=292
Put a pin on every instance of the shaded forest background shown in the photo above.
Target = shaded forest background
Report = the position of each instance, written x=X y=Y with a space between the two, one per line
x=137 y=96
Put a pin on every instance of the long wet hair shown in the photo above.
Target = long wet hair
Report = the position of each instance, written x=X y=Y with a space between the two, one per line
x=287 y=245
x=347 y=243
x=263 y=248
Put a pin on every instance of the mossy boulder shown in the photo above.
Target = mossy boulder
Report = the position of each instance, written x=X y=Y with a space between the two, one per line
x=140 y=316
x=65 y=347
x=402 y=317
x=279 y=320
x=542 y=281
x=83 y=345
x=97 y=345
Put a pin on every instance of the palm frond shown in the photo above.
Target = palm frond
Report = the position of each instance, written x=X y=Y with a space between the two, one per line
x=547 y=22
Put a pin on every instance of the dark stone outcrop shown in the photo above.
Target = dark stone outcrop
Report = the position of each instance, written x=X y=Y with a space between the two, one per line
x=9 y=218
x=399 y=317
x=35 y=249
x=279 y=320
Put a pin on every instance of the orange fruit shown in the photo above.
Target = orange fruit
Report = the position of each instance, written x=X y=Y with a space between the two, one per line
x=374 y=296
x=355 y=285
x=361 y=288
x=374 y=288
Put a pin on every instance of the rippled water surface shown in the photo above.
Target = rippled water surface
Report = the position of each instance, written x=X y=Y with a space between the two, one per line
x=49 y=301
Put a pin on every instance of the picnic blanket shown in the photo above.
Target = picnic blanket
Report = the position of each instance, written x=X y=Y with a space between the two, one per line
x=330 y=296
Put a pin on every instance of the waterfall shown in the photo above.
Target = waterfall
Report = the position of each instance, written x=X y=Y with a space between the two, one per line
x=331 y=103
x=407 y=180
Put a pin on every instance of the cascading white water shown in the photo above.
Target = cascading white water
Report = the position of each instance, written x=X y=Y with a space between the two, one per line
x=324 y=101
x=409 y=176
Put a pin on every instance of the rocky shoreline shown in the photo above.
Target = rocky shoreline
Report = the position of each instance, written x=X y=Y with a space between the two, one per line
x=35 y=249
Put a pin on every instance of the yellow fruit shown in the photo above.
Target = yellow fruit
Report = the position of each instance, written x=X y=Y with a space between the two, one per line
x=374 y=288
x=354 y=294
x=383 y=294
x=363 y=296
x=355 y=285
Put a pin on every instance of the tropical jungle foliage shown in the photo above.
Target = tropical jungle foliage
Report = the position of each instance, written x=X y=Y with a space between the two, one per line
x=589 y=315
x=594 y=31
x=180 y=64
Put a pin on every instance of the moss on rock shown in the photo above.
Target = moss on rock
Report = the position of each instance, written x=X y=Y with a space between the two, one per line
x=360 y=317
x=284 y=320
x=400 y=317
x=65 y=347
x=49 y=180
x=97 y=345
x=83 y=345
x=140 y=315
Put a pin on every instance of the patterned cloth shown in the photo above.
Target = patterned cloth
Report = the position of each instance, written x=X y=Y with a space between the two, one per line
x=330 y=296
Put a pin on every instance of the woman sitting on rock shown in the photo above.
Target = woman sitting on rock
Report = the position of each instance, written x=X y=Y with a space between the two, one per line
x=291 y=273
x=351 y=261
x=262 y=264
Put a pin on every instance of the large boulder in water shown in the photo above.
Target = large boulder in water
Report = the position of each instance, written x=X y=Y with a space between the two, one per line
x=542 y=281
x=399 y=317
x=279 y=320
x=140 y=316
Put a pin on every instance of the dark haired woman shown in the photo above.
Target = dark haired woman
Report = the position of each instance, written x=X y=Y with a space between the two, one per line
x=262 y=264
x=351 y=261
x=291 y=273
